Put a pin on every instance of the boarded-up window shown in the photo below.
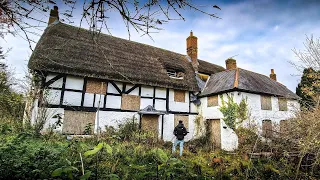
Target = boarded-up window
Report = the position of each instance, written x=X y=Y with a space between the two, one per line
x=130 y=102
x=179 y=96
x=184 y=119
x=283 y=106
x=96 y=87
x=284 y=126
x=214 y=129
x=75 y=121
x=150 y=123
x=266 y=103
x=267 y=128
x=213 y=101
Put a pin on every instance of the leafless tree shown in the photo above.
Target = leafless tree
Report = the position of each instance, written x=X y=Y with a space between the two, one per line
x=310 y=58
x=142 y=16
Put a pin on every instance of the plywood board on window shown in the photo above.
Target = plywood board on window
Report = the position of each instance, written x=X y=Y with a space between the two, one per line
x=179 y=96
x=213 y=101
x=266 y=102
x=183 y=118
x=267 y=128
x=283 y=105
x=214 y=128
x=75 y=121
x=284 y=126
x=150 y=123
x=130 y=102
x=96 y=87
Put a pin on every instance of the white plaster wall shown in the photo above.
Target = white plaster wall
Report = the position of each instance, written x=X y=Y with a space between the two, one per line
x=160 y=105
x=147 y=91
x=168 y=127
x=229 y=139
x=178 y=106
x=194 y=108
x=161 y=92
x=51 y=112
x=113 y=102
x=134 y=92
x=99 y=99
x=53 y=96
x=88 y=100
x=73 y=82
x=112 y=118
x=144 y=102
x=72 y=98
x=57 y=83
x=112 y=89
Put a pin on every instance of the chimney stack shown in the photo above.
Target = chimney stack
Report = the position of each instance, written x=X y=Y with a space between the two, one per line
x=273 y=75
x=192 y=50
x=231 y=64
x=54 y=15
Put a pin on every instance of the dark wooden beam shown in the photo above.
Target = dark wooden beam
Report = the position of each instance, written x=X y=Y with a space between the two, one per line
x=115 y=86
x=47 y=84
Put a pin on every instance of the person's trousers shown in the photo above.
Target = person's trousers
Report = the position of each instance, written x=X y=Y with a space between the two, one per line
x=176 y=142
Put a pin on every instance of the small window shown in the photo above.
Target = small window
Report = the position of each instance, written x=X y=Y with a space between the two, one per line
x=179 y=96
x=283 y=105
x=284 y=126
x=267 y=128
x=175 y=74
x=130 y=102
x=266 y=103
x=213 y=101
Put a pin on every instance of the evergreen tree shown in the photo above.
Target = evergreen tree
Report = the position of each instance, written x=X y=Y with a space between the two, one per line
x=306 y=88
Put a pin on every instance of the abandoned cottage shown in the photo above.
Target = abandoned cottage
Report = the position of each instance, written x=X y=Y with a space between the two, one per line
x=107 y=80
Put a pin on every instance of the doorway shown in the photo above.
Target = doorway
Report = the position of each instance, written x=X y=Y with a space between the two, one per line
x=214 y=131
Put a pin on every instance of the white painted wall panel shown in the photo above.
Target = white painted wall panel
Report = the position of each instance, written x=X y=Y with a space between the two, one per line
x=51 y=120
x=73 y=82
x=168 y=126
x=112 y=89
x=111 y=118
x=101 y=98
x=160 y=105
x=161 y=92
x=72 y=98
x=145 y=102
x=113 y=102
x=53 y=96
x=229 y=139
x=57 y=83
x=147 y=91
x=134 y=92
x=88 y=100
x=178 y=106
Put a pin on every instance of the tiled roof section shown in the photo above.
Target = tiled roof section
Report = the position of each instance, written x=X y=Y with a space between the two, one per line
x=248 y=81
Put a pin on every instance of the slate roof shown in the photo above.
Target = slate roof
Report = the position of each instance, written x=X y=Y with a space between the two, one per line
x=247 y=81
x=71 y=50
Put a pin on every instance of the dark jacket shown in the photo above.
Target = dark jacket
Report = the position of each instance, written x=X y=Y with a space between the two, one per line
x=180 y=131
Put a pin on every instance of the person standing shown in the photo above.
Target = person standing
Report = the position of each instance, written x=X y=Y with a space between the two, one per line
x=179 y=131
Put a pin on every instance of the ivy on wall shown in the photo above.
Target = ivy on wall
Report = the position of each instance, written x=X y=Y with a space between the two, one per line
x=234 y=113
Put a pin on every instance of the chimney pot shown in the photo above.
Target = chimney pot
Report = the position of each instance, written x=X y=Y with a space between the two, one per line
x=273 y=76
x=231 y=64
x=54 y=15
x=192 y=50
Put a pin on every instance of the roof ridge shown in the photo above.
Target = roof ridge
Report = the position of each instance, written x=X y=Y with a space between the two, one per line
x=236 y=78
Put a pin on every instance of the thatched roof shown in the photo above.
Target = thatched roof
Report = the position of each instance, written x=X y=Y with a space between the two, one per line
x=208 y=68
x=71 y=50
x=247 y=81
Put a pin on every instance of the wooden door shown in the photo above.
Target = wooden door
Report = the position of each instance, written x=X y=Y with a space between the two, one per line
x=214 y=129
x=150 y=123
x=74 y=122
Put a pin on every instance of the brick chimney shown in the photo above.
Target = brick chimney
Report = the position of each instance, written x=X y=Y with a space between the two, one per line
x=54 y=15
x=273 y=75
x=231 y=64
x=192 y=50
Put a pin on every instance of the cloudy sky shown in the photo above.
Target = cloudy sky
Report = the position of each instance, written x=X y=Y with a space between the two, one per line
x=259 y=34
